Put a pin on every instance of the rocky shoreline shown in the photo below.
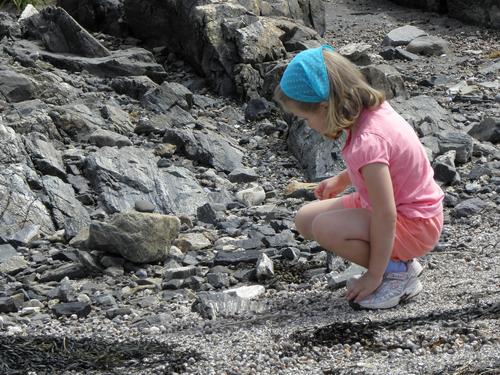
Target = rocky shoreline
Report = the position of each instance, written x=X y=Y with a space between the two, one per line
x=146 y=220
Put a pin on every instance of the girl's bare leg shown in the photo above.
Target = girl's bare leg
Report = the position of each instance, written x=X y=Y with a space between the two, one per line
x=307 y=213
x=346 y=232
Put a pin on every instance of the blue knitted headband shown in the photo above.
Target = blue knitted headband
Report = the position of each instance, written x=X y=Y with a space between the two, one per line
x=305 y=79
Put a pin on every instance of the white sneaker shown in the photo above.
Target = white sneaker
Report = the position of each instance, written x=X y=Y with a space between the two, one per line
x=395 y=288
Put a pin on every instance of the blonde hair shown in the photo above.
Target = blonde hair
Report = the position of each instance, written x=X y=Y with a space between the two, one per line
x=350 y=93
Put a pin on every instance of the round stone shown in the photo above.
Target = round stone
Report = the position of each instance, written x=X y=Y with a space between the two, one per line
x=142 y=205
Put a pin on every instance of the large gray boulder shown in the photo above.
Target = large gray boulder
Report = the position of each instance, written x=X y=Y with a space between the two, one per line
x=424 y=113
x=137 y=236
x=123 y=176
x=319 y=157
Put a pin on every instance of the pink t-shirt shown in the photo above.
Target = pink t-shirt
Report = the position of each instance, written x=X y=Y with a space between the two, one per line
x=383 y=136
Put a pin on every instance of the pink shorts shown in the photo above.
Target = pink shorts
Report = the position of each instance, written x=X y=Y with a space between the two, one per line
x=414 y=236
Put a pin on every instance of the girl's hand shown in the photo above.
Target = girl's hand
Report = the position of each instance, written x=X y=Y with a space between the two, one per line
x=331 y=187
x=363 y=287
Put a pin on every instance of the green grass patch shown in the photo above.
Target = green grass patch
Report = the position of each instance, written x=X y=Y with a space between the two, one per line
x=21 y=4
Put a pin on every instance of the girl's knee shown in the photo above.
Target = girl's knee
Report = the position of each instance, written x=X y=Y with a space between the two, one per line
x=324 y=232
x=303 y=221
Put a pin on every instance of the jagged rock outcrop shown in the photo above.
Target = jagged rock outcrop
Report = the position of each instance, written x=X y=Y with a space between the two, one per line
x=235 y=44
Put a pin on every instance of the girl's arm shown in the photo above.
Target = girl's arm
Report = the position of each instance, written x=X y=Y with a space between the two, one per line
x=382 y=228
x=333 y=186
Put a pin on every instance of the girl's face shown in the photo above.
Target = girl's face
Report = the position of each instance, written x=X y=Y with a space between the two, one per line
x=315 y=119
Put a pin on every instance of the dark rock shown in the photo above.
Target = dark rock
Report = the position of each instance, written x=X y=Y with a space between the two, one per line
x=459 y=142
x=478 y=171
x=291 y=253
x=450 y=199
x=482 y=12
x=193 y=282
x=320 y=158
x=161 y=99
x=258 y=109
x=207 y=214
x=218 y=280
x=62 y=34
x=70 y=270
x=207 y=148
x=135 y=87
x=105 y=300
x=391 y=53
x=180 y=273
x=173 y=284
x=15 y=87
x=242 y=175
x=444 y=168
x=9 y=304
x=469 y=207
x=245 y=275
x=130 y=62
x=81 y=309
x=283 y=239
x=118 y=311
x=226 y=258
x=89 y=261
x=238 y=43
x=487 y=130
x=97 y=15
x=250 y=243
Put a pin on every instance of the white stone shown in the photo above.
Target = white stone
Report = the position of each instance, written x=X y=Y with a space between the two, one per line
x=246 y=292
x=252 y=196
x=29 y=11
